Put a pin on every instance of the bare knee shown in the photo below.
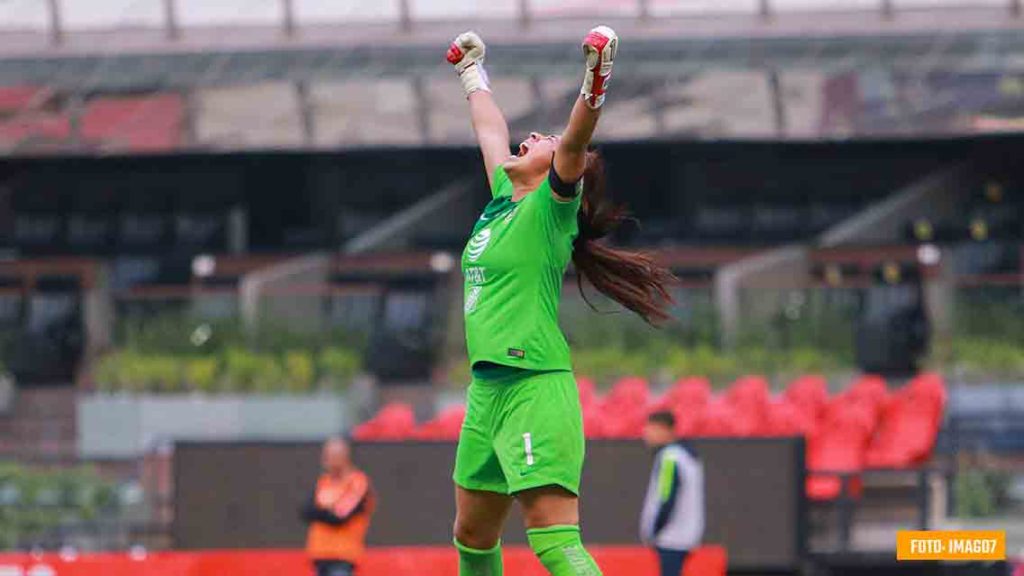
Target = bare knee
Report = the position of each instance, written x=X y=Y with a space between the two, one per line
x=549 y=506
x=476 y=536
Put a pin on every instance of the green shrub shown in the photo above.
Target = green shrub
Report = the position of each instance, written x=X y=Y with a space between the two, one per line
x=980 y=493
x=988 y=357
x=300 y=371
x=107 y=374
x=35 y=501
x=703 y=360
x=338 y=366
x=664 y=361
x=245 y=371
x=128 y=371
x=234 y=370
x=164 y=373
x=605 y=364
x=179 y=332
x=202 y=374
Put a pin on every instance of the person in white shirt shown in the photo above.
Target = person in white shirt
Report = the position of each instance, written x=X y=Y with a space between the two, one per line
x=672 y=521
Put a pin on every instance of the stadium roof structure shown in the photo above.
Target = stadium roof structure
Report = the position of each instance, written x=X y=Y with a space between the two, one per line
x=985 y=36
x=300 y=50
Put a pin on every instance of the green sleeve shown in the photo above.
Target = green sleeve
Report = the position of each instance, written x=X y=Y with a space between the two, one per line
x=665 y=476
x=564 y=211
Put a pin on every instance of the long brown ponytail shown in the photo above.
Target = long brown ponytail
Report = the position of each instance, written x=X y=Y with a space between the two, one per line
x=630 y=278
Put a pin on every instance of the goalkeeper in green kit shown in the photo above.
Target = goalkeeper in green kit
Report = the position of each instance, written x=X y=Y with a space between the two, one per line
x=522 y=438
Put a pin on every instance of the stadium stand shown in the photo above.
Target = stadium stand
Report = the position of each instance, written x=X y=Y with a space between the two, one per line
x=139 y=124
x=269 y=118
x=328 y=102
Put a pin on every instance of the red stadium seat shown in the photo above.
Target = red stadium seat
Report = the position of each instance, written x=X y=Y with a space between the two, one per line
x=719 y=419
x=750 y=386
x=838 y=445
x=688 y=421
x=587 y=390
x=749 y=397
x=929 y=389
x=14 y=99
x=631 y=391
x=687 y=393
x=593 y=421
x=35 y=127
x=910 y=425
x=707 y=560
x=627 y=422
x=686 y=400
x=870 y=391
x=786 y=418
x=137 y=123
x=624 y=409
x=395 y=421
x=445 y=426
x=809 y=394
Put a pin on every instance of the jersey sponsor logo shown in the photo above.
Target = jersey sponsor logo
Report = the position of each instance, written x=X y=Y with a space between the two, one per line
x=477 y=244
x=472 y=298
x=476 y=275
x=517 y=353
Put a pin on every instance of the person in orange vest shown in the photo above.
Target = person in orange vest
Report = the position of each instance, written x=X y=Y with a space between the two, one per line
x=338 y=513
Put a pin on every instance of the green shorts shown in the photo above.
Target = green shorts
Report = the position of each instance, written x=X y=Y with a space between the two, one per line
x=522 y=431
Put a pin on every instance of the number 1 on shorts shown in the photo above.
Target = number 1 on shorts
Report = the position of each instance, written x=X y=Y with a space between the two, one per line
x=528 y=447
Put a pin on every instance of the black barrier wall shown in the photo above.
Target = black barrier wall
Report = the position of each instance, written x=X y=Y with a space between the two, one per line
x=248 y=495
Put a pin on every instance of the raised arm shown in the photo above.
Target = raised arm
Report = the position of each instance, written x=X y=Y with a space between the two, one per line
x=599 y=48
x=491 y=130
x=467 y=53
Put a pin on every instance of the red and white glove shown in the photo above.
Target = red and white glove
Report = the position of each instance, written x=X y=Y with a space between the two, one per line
x=466 y=53
x=599 y=47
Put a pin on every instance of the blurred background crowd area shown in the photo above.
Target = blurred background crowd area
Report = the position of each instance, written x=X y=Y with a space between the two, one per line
x=242 y=220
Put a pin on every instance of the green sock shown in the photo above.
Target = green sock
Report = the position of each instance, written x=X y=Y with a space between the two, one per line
x=473 y=562
x=560 y=551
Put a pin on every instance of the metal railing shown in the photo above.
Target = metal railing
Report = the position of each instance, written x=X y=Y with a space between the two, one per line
x=847 y=504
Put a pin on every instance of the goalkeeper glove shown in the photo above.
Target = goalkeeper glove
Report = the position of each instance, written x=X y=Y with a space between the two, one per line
x=599 y=47
x=466 y=53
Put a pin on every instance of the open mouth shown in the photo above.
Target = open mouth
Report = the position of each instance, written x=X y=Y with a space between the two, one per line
x=524 y=149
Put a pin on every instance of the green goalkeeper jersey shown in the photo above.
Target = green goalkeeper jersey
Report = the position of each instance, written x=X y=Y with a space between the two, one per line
x=512 y=267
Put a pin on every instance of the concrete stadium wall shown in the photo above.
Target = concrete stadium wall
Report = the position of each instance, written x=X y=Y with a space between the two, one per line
x=123 y=427
x=248 y=495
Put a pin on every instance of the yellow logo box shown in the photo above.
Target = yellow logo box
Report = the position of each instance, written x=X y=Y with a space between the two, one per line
x=951 y=545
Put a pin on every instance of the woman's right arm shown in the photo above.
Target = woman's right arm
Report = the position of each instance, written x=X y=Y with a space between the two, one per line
x=491 y=130
x=466 y=53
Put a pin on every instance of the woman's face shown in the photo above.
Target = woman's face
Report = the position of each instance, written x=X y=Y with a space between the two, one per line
x=535 y=153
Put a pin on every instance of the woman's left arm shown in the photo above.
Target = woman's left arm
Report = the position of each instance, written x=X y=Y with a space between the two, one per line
x=599 y=48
